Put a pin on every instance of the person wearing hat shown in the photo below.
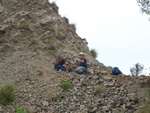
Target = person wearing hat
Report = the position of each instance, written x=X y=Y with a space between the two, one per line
x=82 y=64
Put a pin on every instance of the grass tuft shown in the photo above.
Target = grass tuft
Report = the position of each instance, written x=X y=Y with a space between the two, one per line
x=52 y=51
x=53 y=3
x=65 y=85
x=21 y=110
x=24 y=25
x=57 y=97
x=33 y=40
x=79 y=48
x=7 y=94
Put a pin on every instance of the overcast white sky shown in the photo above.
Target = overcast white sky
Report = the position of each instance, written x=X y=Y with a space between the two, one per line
x=115 y=28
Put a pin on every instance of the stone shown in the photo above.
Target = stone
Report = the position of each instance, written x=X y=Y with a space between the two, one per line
x=107 y=78
x=101 y=80
x=1 y=109
x=109 y=84
x=129 y=106
x=124 y=106
x=104 y=72
x=1 y=9
x=90 y=71
x=45 y=103
x=112 y=103
x=105 y=108
x=132 y=97
x=65 y=51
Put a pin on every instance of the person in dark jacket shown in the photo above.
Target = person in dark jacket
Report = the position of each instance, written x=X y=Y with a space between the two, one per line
x=60 y=64
x=82 y=64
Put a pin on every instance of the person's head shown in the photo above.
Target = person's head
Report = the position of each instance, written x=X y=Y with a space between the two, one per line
x=81 y=55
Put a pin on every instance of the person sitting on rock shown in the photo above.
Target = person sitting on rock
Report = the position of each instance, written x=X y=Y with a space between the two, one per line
x=60 y=64
x=82 y=65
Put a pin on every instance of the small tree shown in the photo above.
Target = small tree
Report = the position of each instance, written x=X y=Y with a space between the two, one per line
x=144 y=6
x=137 y=69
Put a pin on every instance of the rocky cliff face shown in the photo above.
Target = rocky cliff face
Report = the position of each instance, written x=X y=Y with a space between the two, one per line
x=33 y=36
x=24 y=20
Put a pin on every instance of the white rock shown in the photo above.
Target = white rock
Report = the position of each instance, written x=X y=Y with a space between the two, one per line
x=45 y=103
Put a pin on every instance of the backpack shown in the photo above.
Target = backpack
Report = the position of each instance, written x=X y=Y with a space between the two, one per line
x=116 y=71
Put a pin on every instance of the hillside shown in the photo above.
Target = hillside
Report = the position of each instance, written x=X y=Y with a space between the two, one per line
x=32 y=37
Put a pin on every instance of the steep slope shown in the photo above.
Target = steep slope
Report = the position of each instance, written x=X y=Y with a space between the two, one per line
x=33 y=36
x=28 y=20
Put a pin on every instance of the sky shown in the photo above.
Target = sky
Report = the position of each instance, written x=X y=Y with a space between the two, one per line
x=115 y=28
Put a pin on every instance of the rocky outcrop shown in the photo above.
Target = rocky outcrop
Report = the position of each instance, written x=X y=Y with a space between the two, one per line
x=32 y=36
x=40 y=20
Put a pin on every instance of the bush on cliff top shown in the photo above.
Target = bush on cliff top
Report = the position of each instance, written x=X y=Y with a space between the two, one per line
x=93 y=53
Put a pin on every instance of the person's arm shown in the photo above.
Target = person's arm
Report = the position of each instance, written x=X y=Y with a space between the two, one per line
x=65 y=64
x=82 y=60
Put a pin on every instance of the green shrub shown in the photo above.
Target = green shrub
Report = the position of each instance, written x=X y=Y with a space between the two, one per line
x=21 y=110
x=33 y=40
x=24 y=25
x=65 y=85
x=7 y=94
x=53 y=3
x=79 y=47
x=93 y=53
x=57 y=96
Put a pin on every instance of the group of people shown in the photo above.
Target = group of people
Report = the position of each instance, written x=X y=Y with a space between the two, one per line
x=63 y=65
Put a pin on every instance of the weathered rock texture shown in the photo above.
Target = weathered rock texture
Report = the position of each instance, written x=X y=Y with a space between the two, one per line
x=29 y=65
